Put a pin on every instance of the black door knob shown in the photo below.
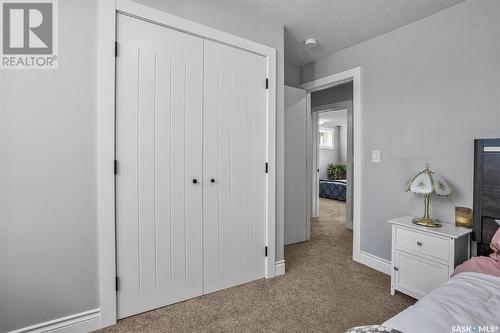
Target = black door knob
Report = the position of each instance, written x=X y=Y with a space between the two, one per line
x=195 y=181
x=212 y=180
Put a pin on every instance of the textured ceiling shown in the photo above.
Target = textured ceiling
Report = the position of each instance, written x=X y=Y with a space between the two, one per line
x=337 y=24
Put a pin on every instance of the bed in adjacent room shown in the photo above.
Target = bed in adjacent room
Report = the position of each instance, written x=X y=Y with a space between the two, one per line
x=333 y=189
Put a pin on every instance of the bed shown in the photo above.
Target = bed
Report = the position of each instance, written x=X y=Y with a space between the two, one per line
x=467 y=300
x=333 y=189
x=486 y=192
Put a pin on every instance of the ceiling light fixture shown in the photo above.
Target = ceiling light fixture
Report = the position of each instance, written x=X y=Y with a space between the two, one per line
x=311 y=43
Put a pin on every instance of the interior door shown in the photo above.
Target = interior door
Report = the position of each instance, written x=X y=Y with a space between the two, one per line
x=295 y=161
x=234 y=157
x=159 y=153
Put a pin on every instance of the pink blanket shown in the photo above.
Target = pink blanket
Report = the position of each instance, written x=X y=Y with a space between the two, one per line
x=486 y=265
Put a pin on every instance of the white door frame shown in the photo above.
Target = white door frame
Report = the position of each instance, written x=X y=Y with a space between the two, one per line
x=338 y=106
x=315 y=111
x=314 y=165
x=353 y=75
x=108 y=10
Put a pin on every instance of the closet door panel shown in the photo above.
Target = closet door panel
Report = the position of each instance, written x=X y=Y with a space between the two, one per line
x=159 y=151
x=234 y=146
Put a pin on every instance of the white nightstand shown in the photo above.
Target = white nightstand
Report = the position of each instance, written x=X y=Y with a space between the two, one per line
x=423 y=258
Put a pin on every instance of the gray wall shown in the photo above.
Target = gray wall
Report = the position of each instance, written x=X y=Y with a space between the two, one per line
x=231 y=19
x=292 y=75
x=343 y=144
x=48 y=225
x=429 y=89
x=327 y=156
x=332 y=95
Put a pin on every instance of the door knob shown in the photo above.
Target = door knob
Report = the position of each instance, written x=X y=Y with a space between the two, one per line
x=419 y=243
x=195 y=181
x=396 y=268
x=212 y=180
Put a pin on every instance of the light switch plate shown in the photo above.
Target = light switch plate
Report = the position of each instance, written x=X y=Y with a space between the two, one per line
x=376 y=156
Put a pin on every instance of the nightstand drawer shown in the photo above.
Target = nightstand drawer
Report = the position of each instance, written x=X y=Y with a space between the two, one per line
x=418 y=276
x=413 y=241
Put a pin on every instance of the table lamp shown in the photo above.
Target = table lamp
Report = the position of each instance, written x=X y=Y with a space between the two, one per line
x=427 y=182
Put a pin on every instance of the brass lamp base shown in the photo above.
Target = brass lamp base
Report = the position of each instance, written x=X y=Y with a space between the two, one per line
x=426 y=222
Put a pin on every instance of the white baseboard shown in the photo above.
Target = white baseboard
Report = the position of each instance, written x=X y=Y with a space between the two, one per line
x=280 y=267
x=375 y=262
x=78 y=323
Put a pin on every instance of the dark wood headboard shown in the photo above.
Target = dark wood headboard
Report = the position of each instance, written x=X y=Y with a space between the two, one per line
x=486 y=192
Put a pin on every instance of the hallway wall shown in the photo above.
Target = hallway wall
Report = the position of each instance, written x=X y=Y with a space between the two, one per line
x=327 y=156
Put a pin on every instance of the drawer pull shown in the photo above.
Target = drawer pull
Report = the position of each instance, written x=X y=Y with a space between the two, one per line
x=419 y=243
x=396 y=268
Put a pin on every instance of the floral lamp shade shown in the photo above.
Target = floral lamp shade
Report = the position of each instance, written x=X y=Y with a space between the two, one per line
x=427 y=182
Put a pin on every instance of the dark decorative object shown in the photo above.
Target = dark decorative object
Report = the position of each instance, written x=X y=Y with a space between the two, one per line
x=486 y=193
x=333 y=189
x=337 y=171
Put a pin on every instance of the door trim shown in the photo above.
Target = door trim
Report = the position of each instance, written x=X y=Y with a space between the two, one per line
x=315 y=170
x=343 y=105
x=108 y=10
x=352 y=75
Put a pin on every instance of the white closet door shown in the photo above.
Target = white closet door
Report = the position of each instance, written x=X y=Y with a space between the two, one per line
x=159 y=151
x=234 y=157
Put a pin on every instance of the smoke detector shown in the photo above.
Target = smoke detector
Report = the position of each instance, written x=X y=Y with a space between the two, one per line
x=311 y=43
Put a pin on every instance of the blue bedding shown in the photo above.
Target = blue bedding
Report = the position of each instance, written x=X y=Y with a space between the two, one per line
x=333 y=189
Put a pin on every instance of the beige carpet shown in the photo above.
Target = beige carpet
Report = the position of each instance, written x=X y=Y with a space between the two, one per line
x=323 y=290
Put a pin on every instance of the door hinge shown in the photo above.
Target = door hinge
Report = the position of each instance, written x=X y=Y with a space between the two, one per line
x=267 y=167
x=266 y=251
x=116 y=49
x=267 y=83
x=117 y=283
x=116 y=167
